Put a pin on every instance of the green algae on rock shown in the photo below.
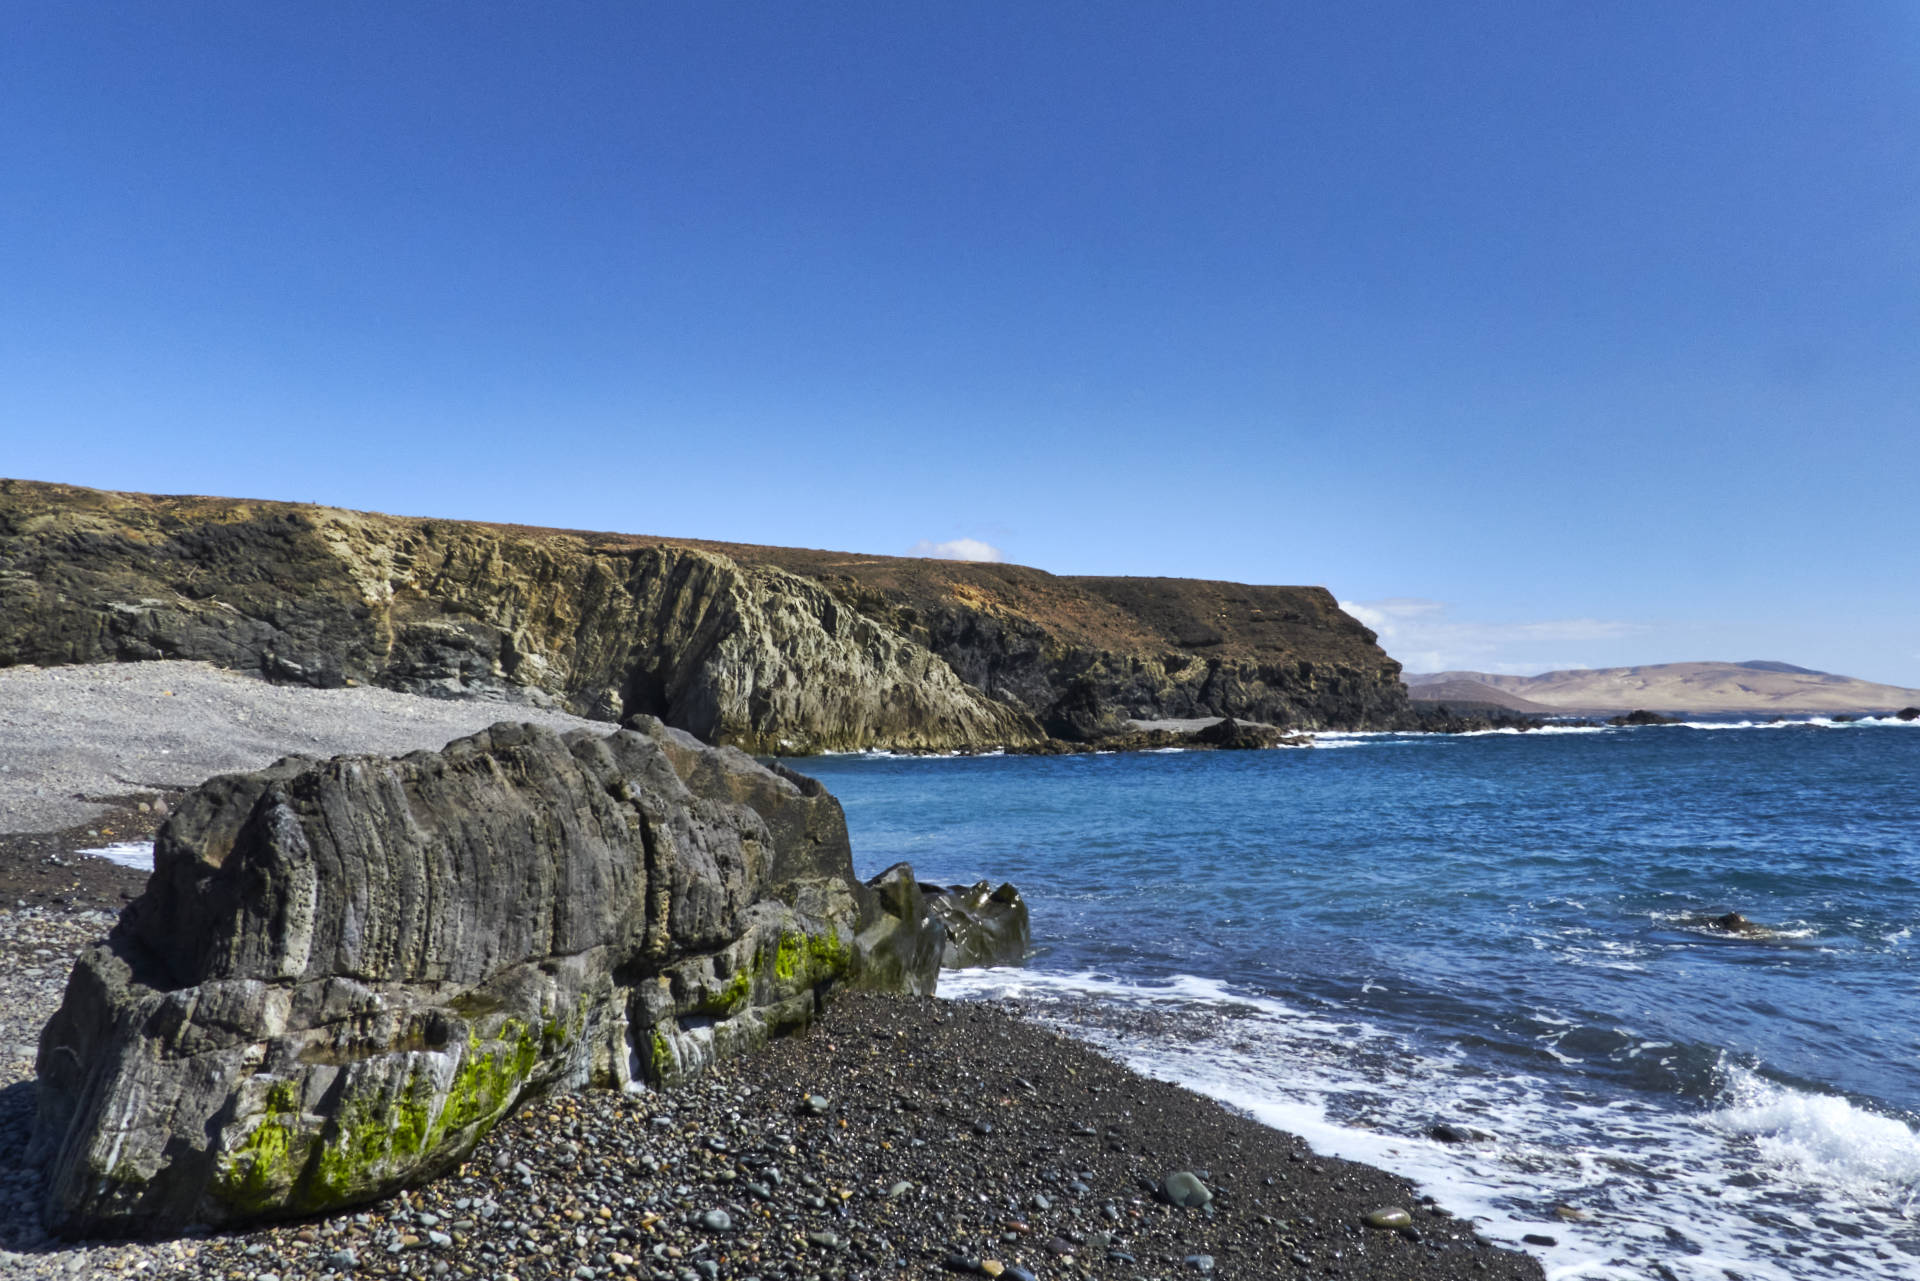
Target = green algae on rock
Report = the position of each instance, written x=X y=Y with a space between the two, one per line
x=344 y=973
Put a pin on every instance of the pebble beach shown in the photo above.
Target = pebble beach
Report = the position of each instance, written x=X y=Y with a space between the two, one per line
x=895 y=1138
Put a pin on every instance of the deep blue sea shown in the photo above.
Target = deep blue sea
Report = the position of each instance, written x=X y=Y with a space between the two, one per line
x=1359 y=940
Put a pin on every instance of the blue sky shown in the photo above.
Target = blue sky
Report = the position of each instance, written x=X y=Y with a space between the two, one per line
x=1548 y=334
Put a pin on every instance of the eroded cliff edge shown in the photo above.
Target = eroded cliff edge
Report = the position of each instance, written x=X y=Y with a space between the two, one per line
x=770 y=649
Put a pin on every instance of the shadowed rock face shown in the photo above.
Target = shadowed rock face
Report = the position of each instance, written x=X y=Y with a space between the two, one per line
x=771 y=649
x=343 y=973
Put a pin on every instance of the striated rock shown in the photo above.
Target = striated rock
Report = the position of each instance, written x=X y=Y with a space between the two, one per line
x=343 y=973
x=984 y=926
x=771 y=649
x=1084 y=654
x=604 y=627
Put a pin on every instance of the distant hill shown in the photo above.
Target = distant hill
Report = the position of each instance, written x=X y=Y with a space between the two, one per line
x=1467 y=695
x=1756 y=687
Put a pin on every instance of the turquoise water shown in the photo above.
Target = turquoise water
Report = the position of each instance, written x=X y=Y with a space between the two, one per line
x=1506 y=932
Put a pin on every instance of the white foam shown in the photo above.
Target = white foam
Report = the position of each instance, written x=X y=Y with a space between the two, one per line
x=1645 y=1168
x=137 y=855
x=1823 y=1137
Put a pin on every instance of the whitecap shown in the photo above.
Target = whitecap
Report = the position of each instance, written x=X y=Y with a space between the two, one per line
x=1647 y=1168
x=137 y=855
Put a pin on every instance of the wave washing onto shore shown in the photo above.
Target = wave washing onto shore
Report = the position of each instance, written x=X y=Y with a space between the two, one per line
x=1760 y=1180
x=137 y=855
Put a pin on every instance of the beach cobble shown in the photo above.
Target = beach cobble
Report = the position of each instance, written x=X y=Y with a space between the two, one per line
x=899 y=1137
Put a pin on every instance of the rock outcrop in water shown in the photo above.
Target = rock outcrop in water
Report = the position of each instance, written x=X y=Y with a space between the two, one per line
x=985 y=925
x=343 y=973
x=770 y=649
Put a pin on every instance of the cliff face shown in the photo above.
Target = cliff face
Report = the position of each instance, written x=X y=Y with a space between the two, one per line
x=771 y=649
x=1083 y=654
x=751 y=656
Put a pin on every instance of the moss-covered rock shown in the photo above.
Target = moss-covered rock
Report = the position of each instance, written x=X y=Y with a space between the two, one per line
x=343 y=973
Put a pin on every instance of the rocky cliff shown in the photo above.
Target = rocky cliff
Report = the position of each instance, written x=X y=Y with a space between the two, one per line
x=1082 y=654
x=771 y=649
x=344 y=972
x=748 y=655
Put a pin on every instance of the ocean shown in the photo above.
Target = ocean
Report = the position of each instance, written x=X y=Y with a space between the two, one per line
x=1505 y=933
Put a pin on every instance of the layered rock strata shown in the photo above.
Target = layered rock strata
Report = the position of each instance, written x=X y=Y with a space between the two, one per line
x=747 y=655
x=772 y=649
x=1085 y=655
x=344 y=972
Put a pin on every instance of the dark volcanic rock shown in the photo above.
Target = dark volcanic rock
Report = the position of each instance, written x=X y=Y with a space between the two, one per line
x=1232 y=735
x=1735 y=923
x=343 y=973
x=985 y=926
x=1643 y=718
x=1471 y=718
x=1908 y=714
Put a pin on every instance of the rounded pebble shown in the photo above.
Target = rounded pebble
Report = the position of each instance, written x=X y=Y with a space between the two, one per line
x=1184 y=1189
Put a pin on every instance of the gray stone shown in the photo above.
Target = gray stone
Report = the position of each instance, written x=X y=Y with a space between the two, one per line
x=717 y=1221
x=1184 y=1189
x=343 y=973
x=1390 y=1218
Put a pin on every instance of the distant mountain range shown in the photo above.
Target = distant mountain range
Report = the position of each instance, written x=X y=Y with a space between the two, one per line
x=1759 y=686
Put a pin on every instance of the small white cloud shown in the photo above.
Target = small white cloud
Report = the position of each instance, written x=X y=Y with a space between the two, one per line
x=957 y=549
x=1421 y=635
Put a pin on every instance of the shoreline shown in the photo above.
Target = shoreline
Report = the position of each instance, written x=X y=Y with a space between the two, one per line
x=1023 y=1148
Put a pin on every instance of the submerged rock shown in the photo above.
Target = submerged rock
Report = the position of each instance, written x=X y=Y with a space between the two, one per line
x=1643 y=717
x=343 y=973
x=984 y=926
x=1735 y=923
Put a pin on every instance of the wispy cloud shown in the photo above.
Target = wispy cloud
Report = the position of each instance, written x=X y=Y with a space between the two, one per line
x=956 y=549
x=1422 y=635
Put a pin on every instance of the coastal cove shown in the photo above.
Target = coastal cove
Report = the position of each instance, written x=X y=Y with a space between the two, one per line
x=1511 y=935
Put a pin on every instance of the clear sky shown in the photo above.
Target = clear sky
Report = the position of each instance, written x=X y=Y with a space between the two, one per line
x=1549 y=334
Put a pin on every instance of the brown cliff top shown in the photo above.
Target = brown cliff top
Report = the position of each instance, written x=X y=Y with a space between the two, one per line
x=1116 y=614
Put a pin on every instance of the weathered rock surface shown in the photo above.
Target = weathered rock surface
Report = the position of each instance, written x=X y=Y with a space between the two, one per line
x=604 y=627
x=1084 y=655
x=771 y=649
x=984 y=925
x=343 y=973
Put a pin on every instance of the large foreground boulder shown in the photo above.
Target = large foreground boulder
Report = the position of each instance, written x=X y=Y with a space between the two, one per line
x=343 y=973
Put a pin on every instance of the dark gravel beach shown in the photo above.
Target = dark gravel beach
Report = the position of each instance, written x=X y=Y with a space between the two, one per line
x=898 y=1137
